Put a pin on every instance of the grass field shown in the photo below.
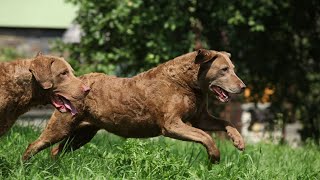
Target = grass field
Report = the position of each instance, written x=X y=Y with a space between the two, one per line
x=112 y=157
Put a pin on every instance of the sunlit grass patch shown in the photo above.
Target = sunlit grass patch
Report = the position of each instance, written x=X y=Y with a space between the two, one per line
x=111 y=157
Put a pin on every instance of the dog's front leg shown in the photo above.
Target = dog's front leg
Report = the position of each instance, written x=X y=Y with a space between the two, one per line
x=210 y=123
x=59 y=126
x=82 y=134
x=175 y=128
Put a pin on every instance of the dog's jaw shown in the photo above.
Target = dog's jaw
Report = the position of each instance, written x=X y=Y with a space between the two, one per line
x=63 y=104
x=221 y=94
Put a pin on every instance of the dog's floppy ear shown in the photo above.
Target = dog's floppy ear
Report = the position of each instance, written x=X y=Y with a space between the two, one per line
x=226 y=53
x=204 y=55
x=40 y=67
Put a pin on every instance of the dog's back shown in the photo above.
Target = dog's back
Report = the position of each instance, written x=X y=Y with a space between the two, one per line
x=124 y=106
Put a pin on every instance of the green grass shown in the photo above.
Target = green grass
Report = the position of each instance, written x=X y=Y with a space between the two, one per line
x=112 y=157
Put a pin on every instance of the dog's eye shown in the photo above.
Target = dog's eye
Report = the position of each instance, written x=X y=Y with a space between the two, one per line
x=225 y=69
x=64 y=73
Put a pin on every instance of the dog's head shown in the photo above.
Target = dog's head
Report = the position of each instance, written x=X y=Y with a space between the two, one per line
x=56 y=76
x=217 y=74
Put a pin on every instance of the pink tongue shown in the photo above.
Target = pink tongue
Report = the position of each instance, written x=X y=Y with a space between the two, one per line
x=224 y=95
x=58 y=104
x=69 y=106
x=219 y=91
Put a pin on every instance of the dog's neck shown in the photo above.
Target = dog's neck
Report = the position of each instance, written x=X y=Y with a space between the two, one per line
x=181 y=70
x=39 y=95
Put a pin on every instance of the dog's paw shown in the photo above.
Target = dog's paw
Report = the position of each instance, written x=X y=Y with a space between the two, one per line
x=238 y=142
x=215 y=157
x=236 y=137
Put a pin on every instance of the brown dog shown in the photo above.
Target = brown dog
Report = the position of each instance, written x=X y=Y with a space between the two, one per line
x=37 y=81
x=169 y=100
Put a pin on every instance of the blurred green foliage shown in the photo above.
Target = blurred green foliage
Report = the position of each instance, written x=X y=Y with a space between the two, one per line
x=274 y=43
x=8 y=54
x=125 y=37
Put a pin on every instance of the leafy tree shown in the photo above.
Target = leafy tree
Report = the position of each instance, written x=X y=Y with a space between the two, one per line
x=274 y=43
x=125 y=37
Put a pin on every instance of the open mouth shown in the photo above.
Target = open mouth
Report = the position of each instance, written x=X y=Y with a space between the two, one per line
x=220 y=93
x=63 y=104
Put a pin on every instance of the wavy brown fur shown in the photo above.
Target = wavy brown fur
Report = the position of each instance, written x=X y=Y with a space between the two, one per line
x=20 y=90
x=168 y=100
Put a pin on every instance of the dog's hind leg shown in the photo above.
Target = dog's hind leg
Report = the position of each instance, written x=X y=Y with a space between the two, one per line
x=59 y=127
x=210 y=123
x=79 y=137
x=179 y=130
